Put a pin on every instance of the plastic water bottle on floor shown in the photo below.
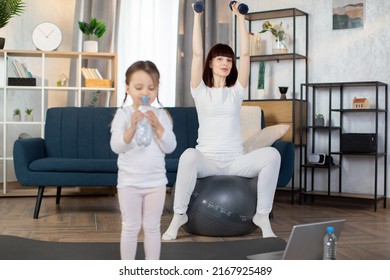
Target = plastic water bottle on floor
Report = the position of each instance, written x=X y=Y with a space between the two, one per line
x=330 y=244
x=144 y=131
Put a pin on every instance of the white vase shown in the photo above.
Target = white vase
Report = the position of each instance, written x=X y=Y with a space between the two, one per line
x=16 y=118
x=29 y=118
x=259 y=94
x=90 y=46
x=280 y=46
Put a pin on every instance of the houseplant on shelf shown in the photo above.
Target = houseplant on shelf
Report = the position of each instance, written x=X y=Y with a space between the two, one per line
x=319 y=120
x=9 y=9
x=94 y=29
x=16 y=116
x=280 y=42
x=29 y=115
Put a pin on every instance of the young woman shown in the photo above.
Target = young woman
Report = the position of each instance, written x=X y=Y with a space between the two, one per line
x=218 y=90
x=141 y=175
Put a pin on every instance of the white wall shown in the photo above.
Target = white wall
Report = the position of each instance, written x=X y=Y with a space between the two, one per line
x=19 y=30
x=342 y=55
x=345 y=56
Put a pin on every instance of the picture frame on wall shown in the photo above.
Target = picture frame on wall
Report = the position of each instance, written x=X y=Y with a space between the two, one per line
x=348 y=14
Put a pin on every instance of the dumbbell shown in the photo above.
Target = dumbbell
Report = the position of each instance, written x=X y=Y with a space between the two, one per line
x=242 y=8
x=199 y=7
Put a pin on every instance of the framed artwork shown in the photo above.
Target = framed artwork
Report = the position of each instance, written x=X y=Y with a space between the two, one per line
x=348 y=14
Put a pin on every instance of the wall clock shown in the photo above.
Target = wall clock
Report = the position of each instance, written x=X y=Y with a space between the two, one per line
x=47 y=36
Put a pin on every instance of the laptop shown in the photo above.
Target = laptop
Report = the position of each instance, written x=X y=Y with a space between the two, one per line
x=305 y=242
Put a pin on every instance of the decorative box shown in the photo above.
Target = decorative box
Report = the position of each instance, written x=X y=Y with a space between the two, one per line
x=358 y=142
x=22 y=81
x=103 y=83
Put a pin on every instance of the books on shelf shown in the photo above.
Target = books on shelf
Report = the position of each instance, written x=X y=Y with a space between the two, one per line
x=91 y=73
x=18 y=69
x=93 y=78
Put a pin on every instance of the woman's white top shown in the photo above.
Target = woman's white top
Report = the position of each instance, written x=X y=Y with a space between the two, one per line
x=219 y=119
x=142 y=167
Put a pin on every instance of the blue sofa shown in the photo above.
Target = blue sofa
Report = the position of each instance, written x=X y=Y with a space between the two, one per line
x=76 y=150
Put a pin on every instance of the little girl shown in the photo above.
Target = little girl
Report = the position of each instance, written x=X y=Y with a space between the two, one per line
x=141 y=170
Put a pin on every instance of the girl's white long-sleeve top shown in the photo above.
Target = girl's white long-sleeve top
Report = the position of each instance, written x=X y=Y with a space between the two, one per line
x=142 y=167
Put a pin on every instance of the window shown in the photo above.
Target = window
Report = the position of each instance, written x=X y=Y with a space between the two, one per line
x=147 y=30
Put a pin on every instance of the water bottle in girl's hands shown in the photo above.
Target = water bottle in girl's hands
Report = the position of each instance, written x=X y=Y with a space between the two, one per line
x=144 y=132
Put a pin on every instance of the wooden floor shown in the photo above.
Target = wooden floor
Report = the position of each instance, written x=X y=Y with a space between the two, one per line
x=87 y=218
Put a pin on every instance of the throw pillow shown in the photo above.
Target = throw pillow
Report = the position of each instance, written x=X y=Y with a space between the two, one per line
x=250 y=121
x=265 y=137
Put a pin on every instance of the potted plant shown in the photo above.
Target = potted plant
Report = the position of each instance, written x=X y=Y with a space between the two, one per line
x=29 y=116
x=9 y=9
x=94 y=29
x=319 y=120
x=279 y=44
x=16 y=115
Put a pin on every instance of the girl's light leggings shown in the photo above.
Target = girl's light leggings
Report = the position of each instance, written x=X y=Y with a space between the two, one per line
x=141 y=208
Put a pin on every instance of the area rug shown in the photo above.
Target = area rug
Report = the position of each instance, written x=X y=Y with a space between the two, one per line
x=18 y=248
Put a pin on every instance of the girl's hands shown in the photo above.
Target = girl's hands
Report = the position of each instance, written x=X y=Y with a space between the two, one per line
x=136 y=117
x=155 y=123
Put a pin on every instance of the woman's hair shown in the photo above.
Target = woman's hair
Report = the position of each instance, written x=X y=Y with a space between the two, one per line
x=220 y=50
x=146 y=66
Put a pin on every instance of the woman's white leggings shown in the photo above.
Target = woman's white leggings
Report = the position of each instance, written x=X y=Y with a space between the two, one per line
x=141 y=208
x=193 y=164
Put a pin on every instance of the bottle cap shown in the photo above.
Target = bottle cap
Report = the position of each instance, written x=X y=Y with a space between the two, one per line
x=145 y=99
x=330 y=229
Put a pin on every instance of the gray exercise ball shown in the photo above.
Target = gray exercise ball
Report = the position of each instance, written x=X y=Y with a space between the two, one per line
x=222 y=206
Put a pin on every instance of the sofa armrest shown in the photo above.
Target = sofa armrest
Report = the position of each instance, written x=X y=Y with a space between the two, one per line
x=287 y=153
x=26 y=151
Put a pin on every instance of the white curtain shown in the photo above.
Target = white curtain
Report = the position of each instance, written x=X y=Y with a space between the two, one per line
x=147 y=30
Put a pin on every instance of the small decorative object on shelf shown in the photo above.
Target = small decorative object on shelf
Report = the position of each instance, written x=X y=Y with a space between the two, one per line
x=279 y=45
x=24 y=135
x=260 y=92
x=16 y=116
x=62 y=80
x=257 y=46
x=360 y=103
x=93 y=29
x=283 y=91
x=319 y=120
x=29 y=115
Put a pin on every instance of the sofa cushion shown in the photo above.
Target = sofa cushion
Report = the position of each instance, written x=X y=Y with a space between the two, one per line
x=82 y=133
x=185 y=127
x=250 y=121
x=171 y=164
x=74 y=165
x=265 y=137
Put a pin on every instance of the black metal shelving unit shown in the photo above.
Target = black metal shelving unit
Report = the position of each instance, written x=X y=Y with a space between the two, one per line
x=292 y=56
x=335 y=99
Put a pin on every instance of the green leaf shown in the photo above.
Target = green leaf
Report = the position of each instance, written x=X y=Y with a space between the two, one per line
x=9 y=9
x=93 y=28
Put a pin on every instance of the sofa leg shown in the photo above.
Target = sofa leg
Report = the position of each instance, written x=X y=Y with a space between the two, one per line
x=58 y=195
x=41 y=190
